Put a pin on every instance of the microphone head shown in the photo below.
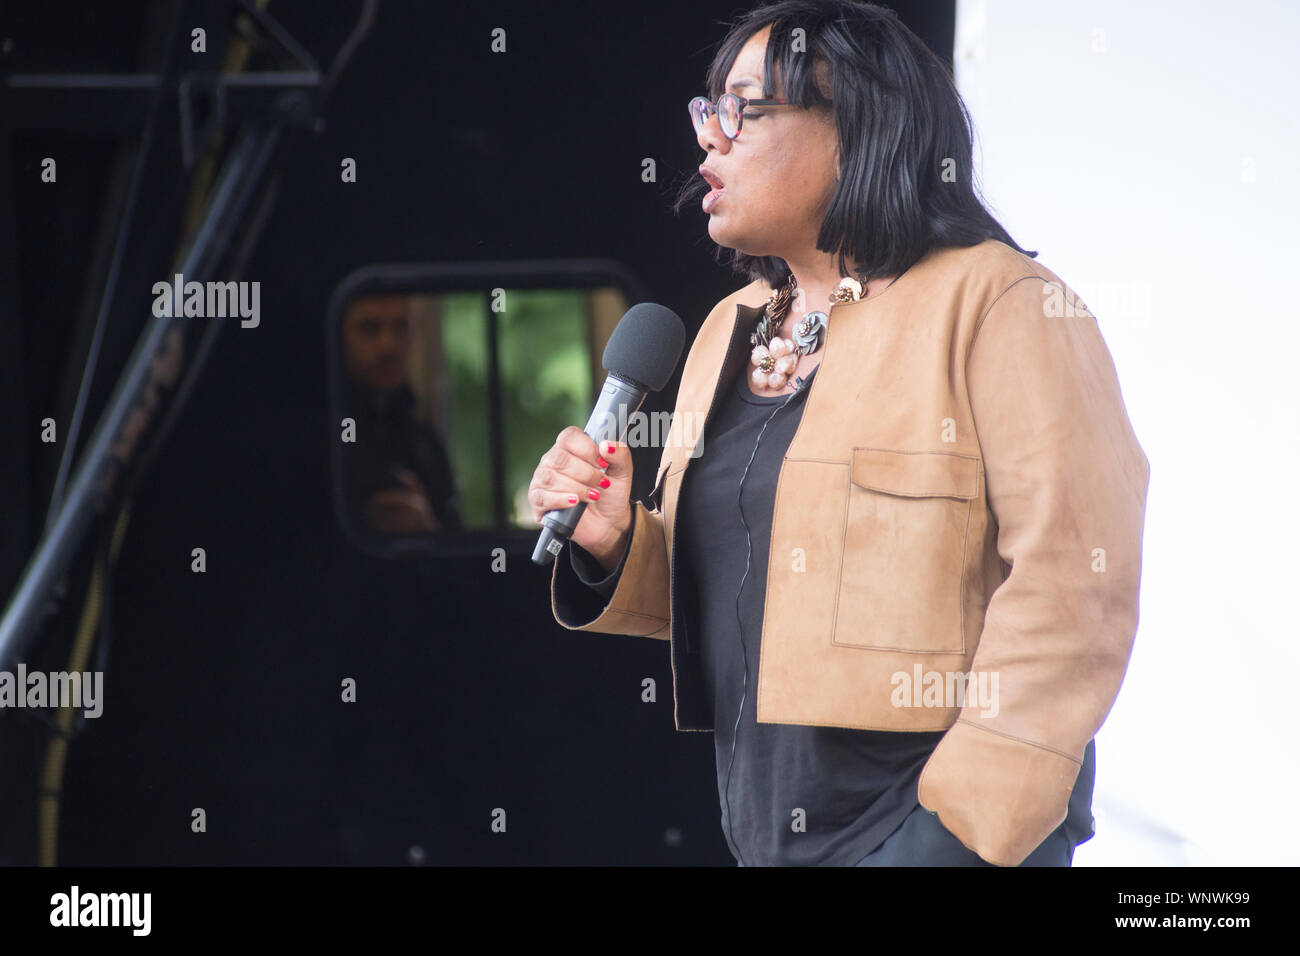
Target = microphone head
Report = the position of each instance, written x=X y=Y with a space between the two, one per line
x=645 y=346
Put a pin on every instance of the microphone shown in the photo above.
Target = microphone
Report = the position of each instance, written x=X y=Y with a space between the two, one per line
x=640 y=358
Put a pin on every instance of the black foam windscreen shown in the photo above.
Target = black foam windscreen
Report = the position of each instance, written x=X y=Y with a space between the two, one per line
x=645 y=346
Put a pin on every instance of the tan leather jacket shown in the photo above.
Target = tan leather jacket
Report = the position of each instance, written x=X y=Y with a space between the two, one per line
x=964 y=496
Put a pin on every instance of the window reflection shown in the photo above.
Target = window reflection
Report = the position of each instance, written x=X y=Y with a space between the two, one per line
x=454 y=395
x=397 y=472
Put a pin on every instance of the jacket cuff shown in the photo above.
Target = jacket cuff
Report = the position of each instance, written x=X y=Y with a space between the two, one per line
x=592 y=573
x=999 y=795
x=639 y=604
x=581 y=587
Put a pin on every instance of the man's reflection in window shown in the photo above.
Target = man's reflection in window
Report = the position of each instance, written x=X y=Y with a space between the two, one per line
x=398 y=474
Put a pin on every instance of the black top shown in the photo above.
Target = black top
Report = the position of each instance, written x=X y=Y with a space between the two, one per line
x=789 y=794
x=390 y=439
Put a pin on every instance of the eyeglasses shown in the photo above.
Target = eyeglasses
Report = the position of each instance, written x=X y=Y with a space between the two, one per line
x=730 y=109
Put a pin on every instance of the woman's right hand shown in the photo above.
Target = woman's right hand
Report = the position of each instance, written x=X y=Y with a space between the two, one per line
x=575 y=466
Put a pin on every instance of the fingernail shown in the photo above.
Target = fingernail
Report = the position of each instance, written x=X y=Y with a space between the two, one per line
x=604 y=482
x=573 y=499
x=603 y=462
x=609 y=450
x=593 y=494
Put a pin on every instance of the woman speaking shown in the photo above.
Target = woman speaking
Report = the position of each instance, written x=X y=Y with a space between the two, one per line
x=894 y=539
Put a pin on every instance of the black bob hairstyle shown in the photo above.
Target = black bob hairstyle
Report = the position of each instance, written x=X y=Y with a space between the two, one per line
x=904 y=131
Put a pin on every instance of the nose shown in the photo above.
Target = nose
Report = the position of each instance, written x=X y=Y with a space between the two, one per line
x=711 y=135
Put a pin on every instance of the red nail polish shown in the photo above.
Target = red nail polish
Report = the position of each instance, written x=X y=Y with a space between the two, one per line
x=604 y=482
x=610 y=450
x=593 y=494
x=603 y=462
x=573 y=499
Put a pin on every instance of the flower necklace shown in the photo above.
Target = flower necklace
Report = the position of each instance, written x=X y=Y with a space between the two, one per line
x=774 y=358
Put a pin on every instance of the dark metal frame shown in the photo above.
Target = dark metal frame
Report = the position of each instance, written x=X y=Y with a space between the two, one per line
x=237 y=202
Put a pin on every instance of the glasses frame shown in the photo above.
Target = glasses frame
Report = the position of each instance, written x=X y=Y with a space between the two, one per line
x=712 y=109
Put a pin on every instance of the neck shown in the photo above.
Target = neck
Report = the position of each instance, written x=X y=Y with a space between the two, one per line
x=817 y=274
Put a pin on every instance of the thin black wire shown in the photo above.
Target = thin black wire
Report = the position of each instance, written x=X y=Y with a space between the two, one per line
x=744 y=657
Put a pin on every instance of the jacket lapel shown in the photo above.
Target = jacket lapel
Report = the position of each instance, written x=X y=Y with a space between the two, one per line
x=727 y=359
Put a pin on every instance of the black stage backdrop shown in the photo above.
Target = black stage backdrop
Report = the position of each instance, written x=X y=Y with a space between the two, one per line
x=222 y=689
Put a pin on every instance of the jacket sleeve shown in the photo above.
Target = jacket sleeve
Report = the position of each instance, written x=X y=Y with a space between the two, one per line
x=639 y=601
x=1066 y=481
x=590 y=571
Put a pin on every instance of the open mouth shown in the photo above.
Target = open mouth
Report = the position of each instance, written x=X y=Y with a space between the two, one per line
x=711 y=198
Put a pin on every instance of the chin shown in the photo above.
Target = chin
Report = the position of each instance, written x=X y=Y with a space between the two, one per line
x=724 y=234
x=730 y=237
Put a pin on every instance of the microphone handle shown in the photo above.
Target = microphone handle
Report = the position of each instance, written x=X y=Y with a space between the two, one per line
x=618 y=399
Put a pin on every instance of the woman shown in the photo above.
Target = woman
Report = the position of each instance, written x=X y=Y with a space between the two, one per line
x=900 y=589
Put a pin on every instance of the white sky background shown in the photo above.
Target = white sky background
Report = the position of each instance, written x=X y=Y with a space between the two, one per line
x=1150 y=151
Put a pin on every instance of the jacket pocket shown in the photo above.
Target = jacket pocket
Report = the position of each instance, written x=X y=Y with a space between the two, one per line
x=902 y=577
